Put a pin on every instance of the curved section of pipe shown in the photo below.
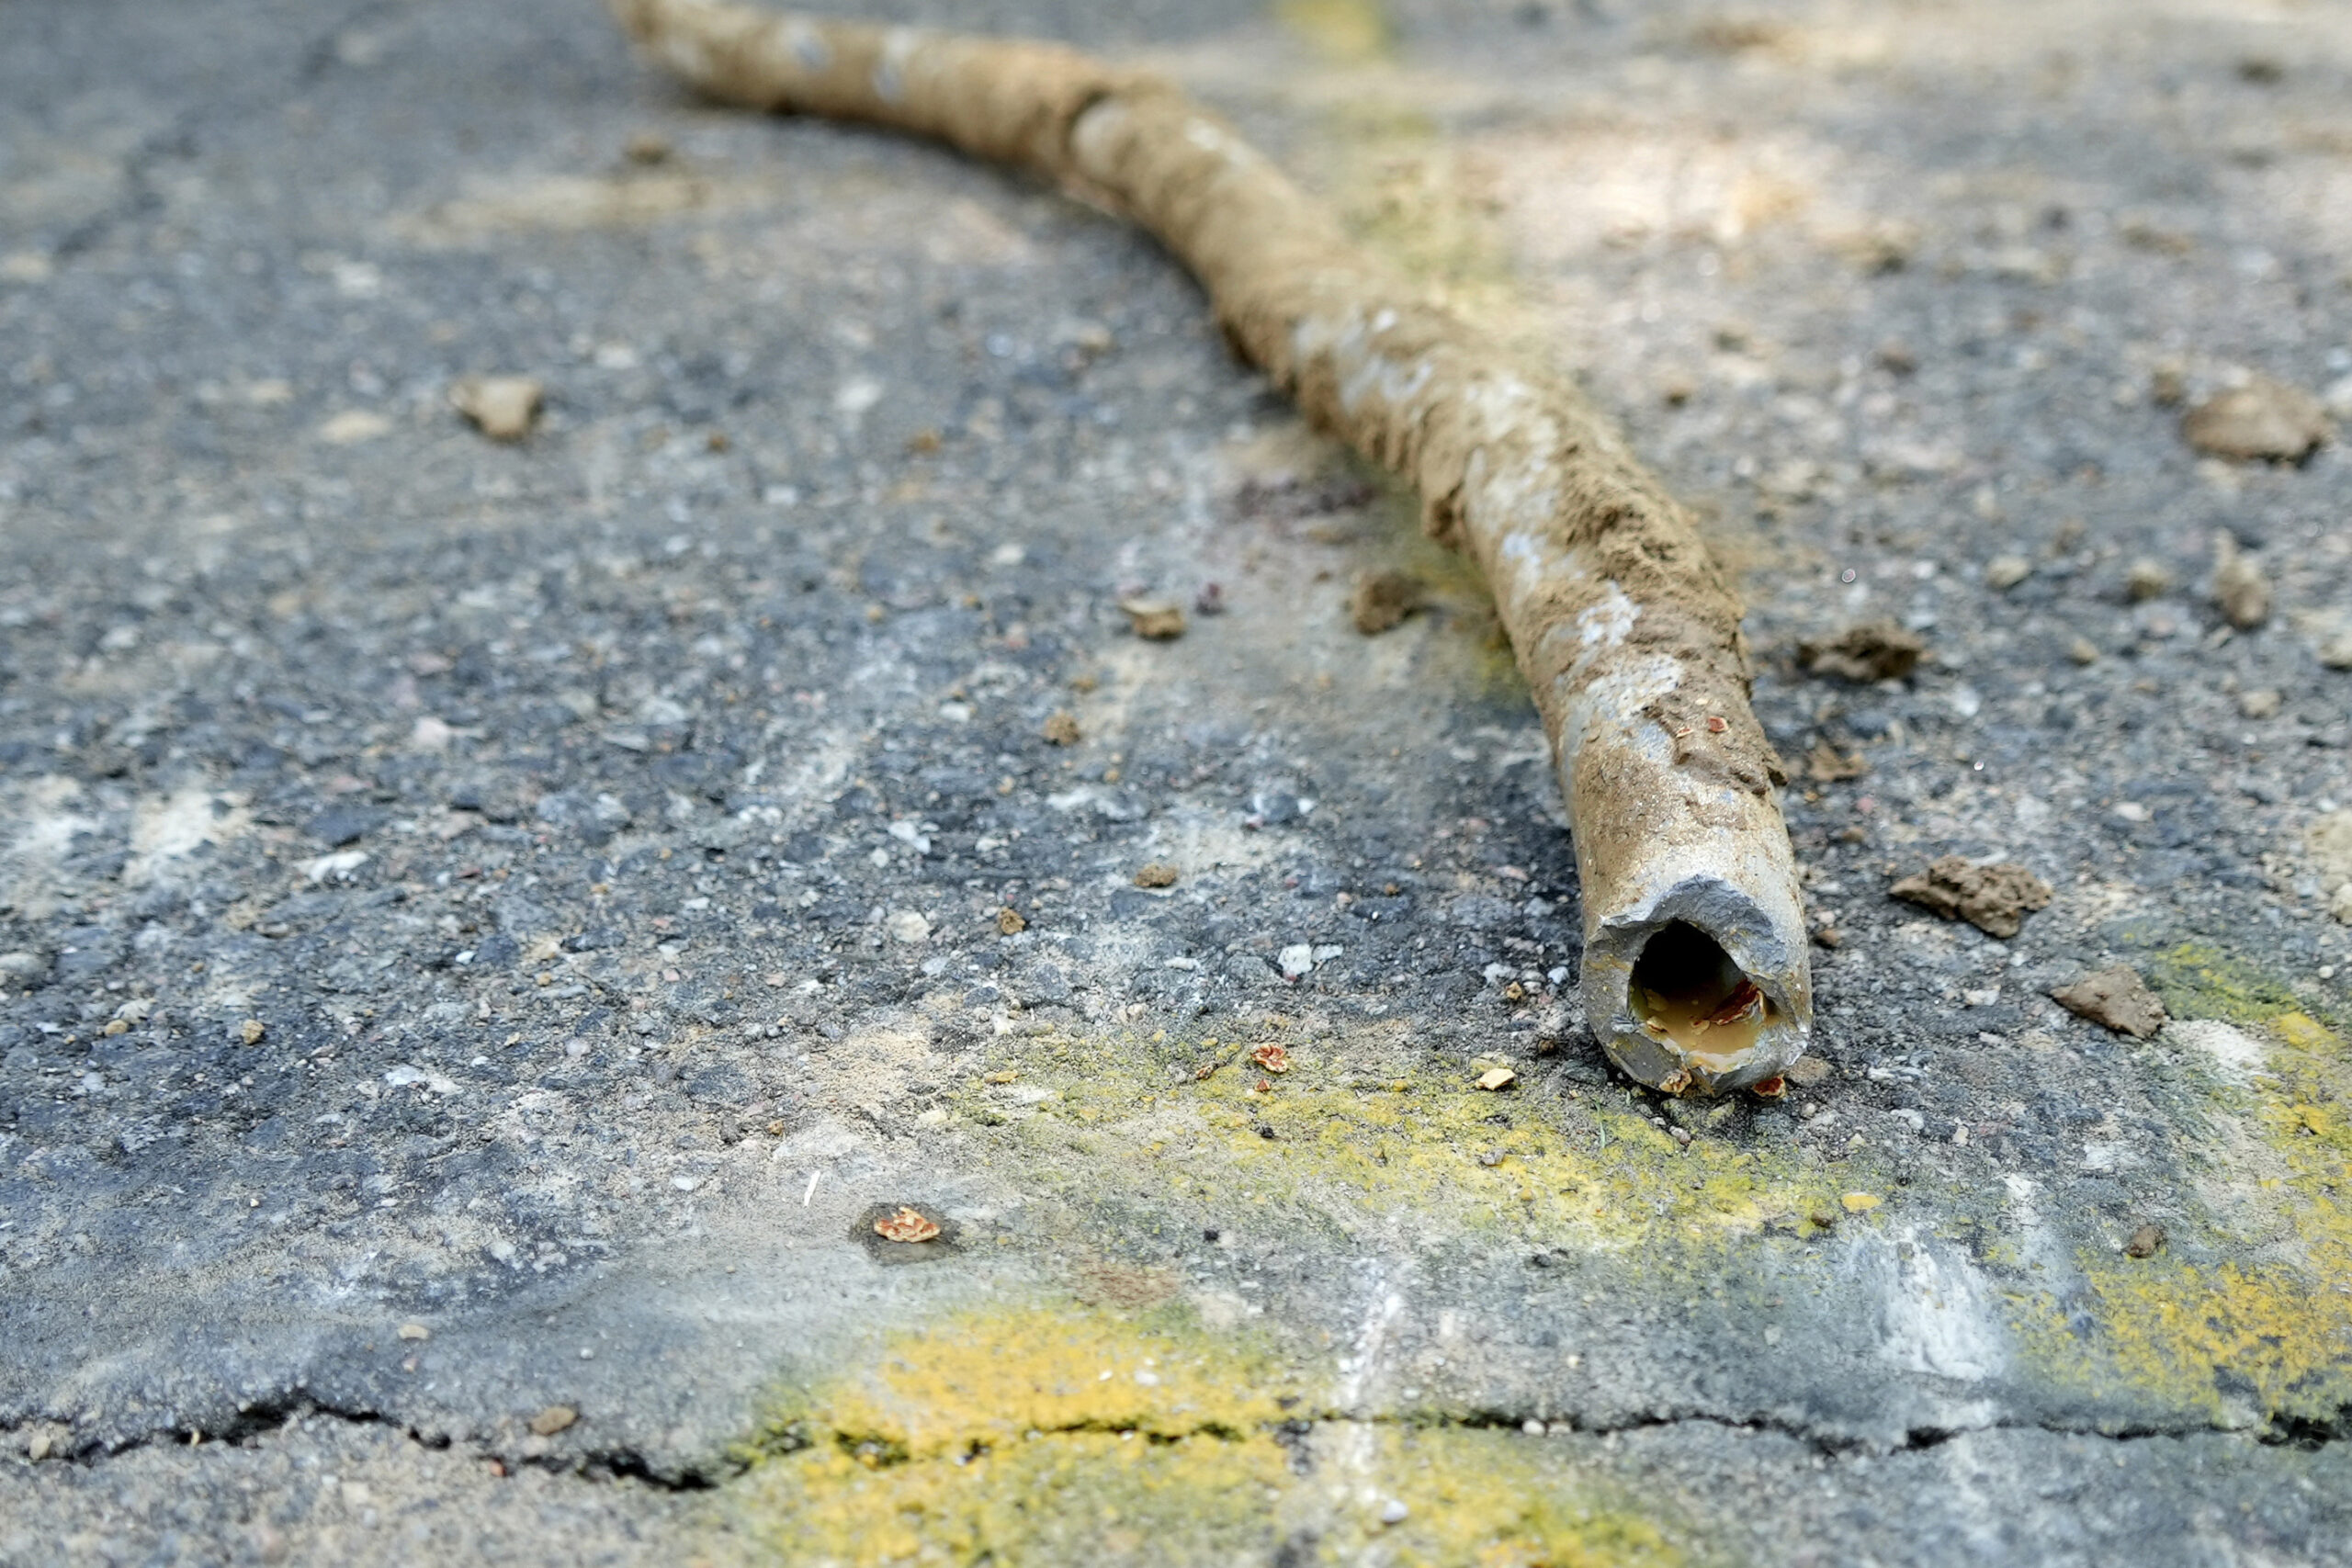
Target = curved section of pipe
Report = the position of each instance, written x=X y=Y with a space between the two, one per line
x=1626 y=630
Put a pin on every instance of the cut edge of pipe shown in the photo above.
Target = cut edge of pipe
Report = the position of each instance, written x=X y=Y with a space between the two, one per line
x=1769 y=952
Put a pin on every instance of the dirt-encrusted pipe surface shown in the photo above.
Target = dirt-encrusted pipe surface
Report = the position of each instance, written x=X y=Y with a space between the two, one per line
x=1627 y=631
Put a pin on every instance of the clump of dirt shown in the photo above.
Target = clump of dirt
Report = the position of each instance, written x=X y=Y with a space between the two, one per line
x=2117 y=998
x=1155 y=620
x=1382 y=600
x=2240 y=586
x=1825 y=764
x=1880 y=650
x=2262 y=421
x=1996 y=899
x=1059 y=730
x=2146 y=580
x=1158 y=874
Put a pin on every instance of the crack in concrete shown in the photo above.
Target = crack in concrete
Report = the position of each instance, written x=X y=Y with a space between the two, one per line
x=883 y=1453
x=259 y=1420
x=623 y=1462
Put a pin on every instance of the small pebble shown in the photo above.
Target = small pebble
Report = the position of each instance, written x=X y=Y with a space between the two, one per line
x=1155 y=620
x=354 y=426
x=1393 y=1512
x=2263 y=704
x=2005 y=573
x=504 y=408
x=553 y=1419
x=2082 y=650
x=2240 y=586
x=2146 y=580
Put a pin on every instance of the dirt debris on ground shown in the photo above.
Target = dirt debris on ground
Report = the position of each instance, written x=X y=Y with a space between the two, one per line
x=2145 y=578
x=1825 y=764
x=1876 y=651
x=2240 y=585
x=1995 y=898
x=553 y=1419
x=2264 y=420
x=1155 y=620
x=1383 y=599
x=2116 y=997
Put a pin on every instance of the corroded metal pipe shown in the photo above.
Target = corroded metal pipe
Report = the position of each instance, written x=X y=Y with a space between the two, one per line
x=1695 y=972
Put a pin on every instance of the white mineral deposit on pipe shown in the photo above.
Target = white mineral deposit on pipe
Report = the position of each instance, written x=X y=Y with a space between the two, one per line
x=1696 y=973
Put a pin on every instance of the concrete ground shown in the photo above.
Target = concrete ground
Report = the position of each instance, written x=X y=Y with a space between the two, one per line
x=487 y=928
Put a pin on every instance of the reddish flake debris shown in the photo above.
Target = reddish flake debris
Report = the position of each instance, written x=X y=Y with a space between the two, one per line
x=1273 y=1058
x=1772 y=1088
x=1716 y=724
x=1744 y=999
x=907 y=1225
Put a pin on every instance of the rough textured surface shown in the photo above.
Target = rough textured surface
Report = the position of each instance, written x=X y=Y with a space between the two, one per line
x=1896 y=1316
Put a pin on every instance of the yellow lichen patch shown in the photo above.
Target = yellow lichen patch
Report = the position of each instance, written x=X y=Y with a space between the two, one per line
x=1058 y=1434
x=1350 y=1136
x=1486 y=1498
x=2273 y=1337
x=1026 y=1435
x=984 y=1382
x=1061 y=1497
x=2198 y=980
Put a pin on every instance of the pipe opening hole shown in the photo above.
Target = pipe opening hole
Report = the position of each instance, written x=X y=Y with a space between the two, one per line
x=1686 y=991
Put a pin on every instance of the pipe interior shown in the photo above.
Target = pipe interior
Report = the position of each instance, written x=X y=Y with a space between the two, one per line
x=1686 y=989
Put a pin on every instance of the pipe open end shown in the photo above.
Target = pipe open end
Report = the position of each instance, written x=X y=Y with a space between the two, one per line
x=1692 y=1020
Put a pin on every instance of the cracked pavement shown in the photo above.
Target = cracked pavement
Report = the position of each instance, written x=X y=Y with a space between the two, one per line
x=487 y=927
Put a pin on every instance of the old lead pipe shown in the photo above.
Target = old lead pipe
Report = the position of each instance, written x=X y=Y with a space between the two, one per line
x=1695 y=972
